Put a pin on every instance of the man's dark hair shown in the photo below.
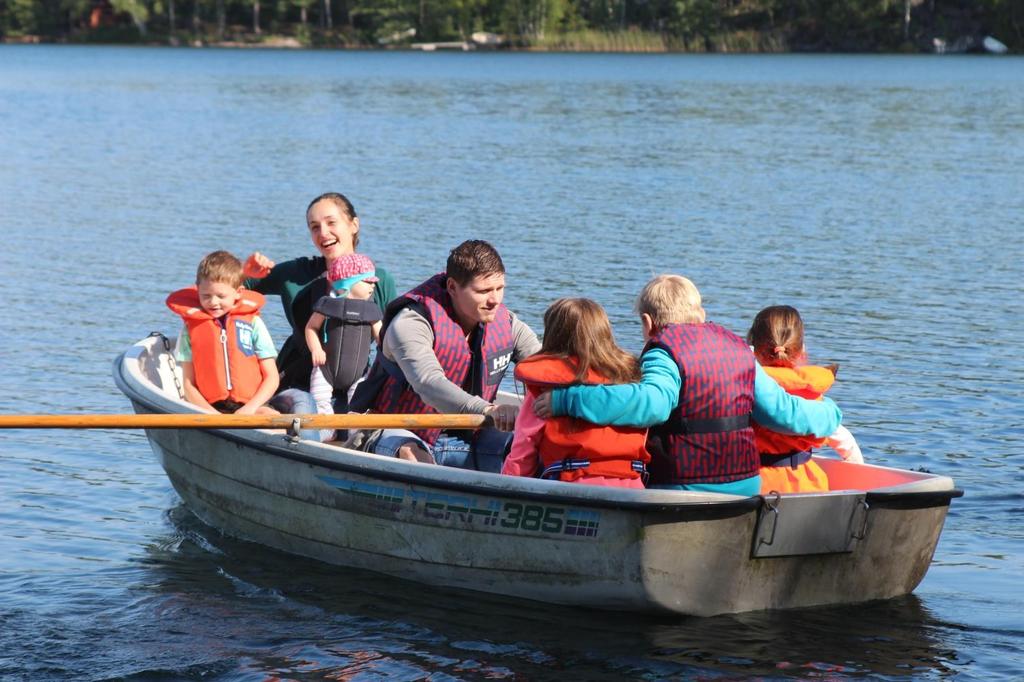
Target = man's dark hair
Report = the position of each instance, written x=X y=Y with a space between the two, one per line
x=473 y=258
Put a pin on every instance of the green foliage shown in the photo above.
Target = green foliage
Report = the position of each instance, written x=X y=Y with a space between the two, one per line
x=136 y=9
x=110 y=34
x=626 y=25
x=695 y=21
x=1007 y=20
x=631 y=40
x=19 y=17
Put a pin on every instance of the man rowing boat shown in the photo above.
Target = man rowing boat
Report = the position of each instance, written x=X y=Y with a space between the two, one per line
x=446 y=346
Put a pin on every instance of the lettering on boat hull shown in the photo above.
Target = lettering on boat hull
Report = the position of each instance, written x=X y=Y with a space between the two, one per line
x=475 y=511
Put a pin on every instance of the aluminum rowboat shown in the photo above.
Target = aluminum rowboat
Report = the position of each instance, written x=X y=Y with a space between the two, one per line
x=636 y=550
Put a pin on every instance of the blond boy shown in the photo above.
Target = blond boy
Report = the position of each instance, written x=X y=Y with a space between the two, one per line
x=226 y=354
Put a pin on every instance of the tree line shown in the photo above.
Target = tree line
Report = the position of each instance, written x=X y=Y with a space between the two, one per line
x=686 y=25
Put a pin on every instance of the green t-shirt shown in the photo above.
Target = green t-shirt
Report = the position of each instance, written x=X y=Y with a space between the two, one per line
x=302 y=281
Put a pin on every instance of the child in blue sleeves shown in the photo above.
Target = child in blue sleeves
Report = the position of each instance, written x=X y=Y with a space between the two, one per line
x=700 y=391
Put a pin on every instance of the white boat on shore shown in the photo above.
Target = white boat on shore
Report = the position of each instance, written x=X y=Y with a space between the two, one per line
x=637 y=550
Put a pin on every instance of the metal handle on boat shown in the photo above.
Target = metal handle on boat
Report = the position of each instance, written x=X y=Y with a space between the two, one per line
x=771 y=504
x=166 y=342
x=863 y=531
x=293 y=430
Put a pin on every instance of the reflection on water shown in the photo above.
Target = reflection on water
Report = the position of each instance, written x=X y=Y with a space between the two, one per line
x=230 y=605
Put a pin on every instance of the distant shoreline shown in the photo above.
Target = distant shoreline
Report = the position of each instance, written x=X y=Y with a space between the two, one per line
x=291 y=43
x=615 y=26
x=628 y=41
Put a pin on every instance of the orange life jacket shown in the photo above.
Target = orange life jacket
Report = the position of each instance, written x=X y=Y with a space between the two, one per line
x=808 y=381
x=223 y=355
x=574 y=448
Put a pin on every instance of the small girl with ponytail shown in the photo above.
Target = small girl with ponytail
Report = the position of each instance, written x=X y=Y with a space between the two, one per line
x=777 y=338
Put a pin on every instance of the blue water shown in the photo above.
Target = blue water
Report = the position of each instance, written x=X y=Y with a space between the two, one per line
x=882 y=196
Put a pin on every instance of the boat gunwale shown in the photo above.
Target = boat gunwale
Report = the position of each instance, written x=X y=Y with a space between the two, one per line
x=667 y=511
x=921 y=499
x=703 y=509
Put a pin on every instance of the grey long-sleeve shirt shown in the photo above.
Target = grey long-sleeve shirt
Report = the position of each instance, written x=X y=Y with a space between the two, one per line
x=409 y=342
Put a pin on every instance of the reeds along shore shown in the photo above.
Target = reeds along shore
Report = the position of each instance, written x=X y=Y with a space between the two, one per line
x=543 y=25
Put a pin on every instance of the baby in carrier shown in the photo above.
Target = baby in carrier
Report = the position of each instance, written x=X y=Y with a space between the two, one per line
x=339 y=333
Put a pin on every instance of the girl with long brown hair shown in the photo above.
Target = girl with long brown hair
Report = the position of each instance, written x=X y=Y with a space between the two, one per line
x=578 y=348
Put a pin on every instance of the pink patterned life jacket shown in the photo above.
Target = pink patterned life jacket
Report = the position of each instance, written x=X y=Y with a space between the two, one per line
x=486 y=363
x=708 y=438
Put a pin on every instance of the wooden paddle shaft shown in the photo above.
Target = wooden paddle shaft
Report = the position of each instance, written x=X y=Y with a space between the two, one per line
x=243 y=421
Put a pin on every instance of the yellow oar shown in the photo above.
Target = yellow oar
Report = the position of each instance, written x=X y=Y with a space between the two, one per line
x=243 y=421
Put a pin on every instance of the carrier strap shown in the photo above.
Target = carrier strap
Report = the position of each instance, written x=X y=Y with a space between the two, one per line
x=790 y=459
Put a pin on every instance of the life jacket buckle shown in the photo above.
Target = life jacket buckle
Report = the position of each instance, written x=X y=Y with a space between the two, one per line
x=567 y=464
x=639 y=467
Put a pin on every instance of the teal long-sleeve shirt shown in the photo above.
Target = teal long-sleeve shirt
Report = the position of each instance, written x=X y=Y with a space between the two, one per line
x=652 y=400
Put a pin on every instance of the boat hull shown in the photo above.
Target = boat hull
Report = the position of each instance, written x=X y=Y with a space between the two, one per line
x=692 y=553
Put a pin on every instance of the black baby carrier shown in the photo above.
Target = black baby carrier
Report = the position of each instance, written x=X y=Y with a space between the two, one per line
x=348 y=334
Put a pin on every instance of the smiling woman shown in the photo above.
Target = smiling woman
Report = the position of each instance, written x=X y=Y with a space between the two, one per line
x=334 y=230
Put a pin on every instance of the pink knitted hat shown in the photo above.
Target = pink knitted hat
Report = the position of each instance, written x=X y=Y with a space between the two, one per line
x=349 y=267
